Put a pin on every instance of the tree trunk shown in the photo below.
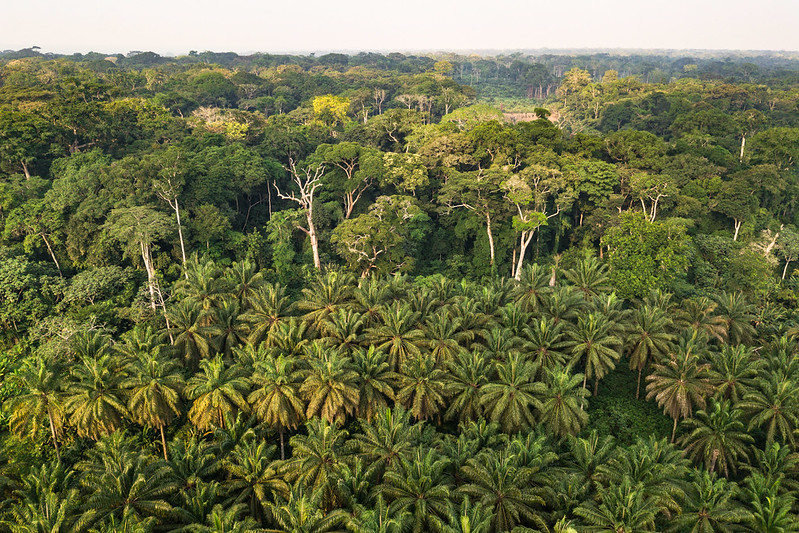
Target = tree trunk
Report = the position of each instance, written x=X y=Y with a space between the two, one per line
x=312 y=236
x=490 y=239
x=25 y=170
x=163 y=442
x=50 y=249
x=282 y=447
x=674 y=430
x=145 y=255
x=526 y=238
x=180 y=236
x=638 y=386
x=785 y=270
x=737 y=229
x=52 y=432
x=596 y=385
x=743 y=145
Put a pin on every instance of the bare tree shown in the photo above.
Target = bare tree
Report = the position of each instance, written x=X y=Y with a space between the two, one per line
x=307 y=181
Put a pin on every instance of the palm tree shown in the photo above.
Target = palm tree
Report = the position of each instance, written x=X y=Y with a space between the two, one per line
x=680 y=383
x=732 y=370
x=330 y=387
x=93 y=398
x=254 y=475
x=191 y=333
x=709 y=506
x=398 y=335
x=563 y=304
x=226 y=519
x=382 y=442
x=319 y=459
x=275 y=398
x=46 y=501
x=326 y=293
x=532 y=286
x=342 y=330
x=301 y=513
x=217 y=392
x=420 y=486
x=39 y=379
x=590 y=277
x=443 y=338
x=773 y=403
x=509 y=401
x=370 y=297
x=586 y=456
x=737 y=315
x=514 y=318
x=649 y=339
x=244 y=280
x=544 y=340
x=204 y=285
x=771 y=510
x=468 y=373
x=289 y=338
x=594 y=342
x=562 y=404
x=376 y=381
x=227 y=328
x=268 y=307
x=495 y=481
x=422 y=388
x=378 y=519
x=123 y=483
x=153 y=385
x=700 y=314
x=468 y=518
x=621 y=509
x=717 y=438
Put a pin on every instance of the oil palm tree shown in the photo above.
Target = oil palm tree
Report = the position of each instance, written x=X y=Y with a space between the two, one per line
x=468 y=373
x=326 y=293
x=773 y=404
x=243 y=281
x=532 y=286
x=496 y=482
x=737 y=315
x=681 y=382
x=443 y=336
x=301 y=513
x=544 y=340
x=268 y=307
x=319 y=459
x=732 y=371
x=620 y=509
x=330 y=387
x=594 y=343
x=510 y=399
x=708 y=506
x=422 y=388
x=342 y=330
x=123 y=483
x=700 y=314
x=153 y=384
x=255 y=476
x=217 y=393
x=276 y=399
x=717 y=438
x=93 y=398
x=398 y=334
x=562 y=404
x=191 y=332
x=382 y=442
x=648 y=339
x=227 y=328
x=590 y=277
x=40 y=402
x=420 y=486
x=376 y=382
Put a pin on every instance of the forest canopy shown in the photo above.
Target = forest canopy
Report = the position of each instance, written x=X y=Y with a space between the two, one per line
x=389 y=293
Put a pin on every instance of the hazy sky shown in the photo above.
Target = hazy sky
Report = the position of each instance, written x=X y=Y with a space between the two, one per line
x=177 y=26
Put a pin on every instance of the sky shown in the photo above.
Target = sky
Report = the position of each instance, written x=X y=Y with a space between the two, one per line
x=174 y=27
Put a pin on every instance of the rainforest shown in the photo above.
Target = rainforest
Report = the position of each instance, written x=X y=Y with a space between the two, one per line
x=399 y=293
